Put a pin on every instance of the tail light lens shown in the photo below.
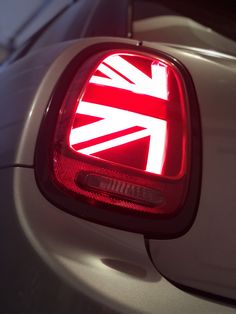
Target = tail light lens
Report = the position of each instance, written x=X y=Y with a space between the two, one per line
x=122 y=140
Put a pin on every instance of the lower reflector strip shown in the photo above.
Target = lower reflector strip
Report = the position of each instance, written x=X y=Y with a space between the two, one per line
x=120 y=189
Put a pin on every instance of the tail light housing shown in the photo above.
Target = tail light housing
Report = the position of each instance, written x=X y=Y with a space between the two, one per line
x=117 y=146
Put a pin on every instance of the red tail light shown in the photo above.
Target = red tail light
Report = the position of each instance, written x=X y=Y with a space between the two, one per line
x=122 y=140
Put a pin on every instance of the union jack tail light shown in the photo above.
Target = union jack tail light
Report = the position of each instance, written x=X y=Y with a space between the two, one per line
x=122 y=145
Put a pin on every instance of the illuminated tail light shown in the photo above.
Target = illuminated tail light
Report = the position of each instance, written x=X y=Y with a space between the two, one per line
x=122 y=140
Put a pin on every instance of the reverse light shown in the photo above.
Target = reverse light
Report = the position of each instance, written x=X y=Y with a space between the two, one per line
x=121 y=189
x=122 y=141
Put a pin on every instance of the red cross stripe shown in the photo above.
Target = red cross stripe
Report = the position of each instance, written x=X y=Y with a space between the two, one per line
x=118 y=73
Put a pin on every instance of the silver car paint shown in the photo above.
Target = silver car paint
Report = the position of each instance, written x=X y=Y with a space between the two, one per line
x=110 y=266
x=183 y=31
x=205 y=257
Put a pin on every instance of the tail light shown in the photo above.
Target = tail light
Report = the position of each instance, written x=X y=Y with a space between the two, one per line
x=120 y=148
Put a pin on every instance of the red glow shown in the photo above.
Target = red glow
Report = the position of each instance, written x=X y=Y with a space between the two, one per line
x=116 y=120
x=123 y=76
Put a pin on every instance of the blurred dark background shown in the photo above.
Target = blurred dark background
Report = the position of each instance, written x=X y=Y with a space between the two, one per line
x=19 y=20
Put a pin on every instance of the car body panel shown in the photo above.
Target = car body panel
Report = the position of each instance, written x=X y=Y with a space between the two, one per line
x=109 y=269
x=205 y=257
x=180 y=30
x=109 y=266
